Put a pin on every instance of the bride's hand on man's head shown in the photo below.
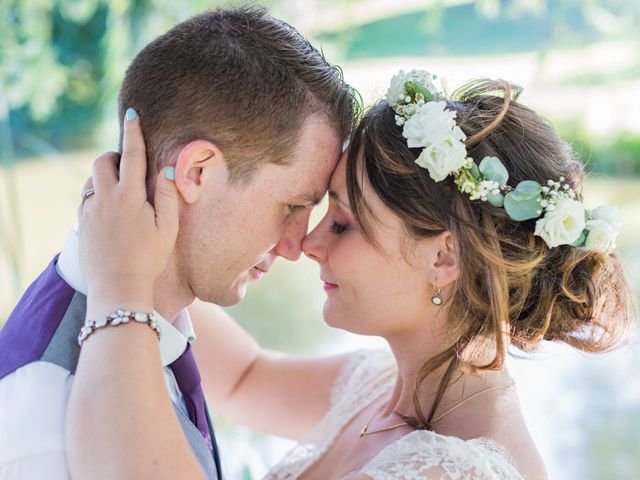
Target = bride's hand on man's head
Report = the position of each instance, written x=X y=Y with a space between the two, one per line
x=125 y=242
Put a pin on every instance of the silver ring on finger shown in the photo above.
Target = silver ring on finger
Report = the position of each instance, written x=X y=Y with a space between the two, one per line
x=86 y=194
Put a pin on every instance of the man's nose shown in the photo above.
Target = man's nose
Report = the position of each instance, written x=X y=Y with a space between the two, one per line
x=290 y=244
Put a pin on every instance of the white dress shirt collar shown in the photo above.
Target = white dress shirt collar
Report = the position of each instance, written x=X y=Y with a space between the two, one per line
x=174 y=337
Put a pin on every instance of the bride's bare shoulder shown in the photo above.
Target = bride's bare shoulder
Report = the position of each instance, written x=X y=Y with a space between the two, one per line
x=505 y=429
x=513 y=435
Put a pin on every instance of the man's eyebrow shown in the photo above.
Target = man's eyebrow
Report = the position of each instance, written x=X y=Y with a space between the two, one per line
x=313 y=199
x=337 y=198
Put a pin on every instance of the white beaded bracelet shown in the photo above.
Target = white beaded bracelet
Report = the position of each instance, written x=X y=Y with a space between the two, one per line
x=119 y=317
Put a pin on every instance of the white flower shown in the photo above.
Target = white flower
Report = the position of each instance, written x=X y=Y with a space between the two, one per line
x=563 y=225
x=467 y=187
x=607 y=214
x=434 y=128
x=396 y=91
x=603 y=225
x=425 y=79
x=444 y=158
x=433 y=123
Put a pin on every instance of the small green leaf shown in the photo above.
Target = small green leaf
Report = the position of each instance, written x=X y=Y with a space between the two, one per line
x=493 y=169
x=527 y=190
x=522 y=204
x=474 y=171
x=581 y=239
x=495 y=199
x=412 y=88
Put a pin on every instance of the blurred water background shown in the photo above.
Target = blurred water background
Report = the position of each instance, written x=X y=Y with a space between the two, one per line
x=61 y=64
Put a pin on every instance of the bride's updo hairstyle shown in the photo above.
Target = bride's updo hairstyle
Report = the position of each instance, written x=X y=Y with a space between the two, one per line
x=512 y=288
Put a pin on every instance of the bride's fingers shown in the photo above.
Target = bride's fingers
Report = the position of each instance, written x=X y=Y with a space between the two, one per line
x=88 y=185
x=105 y=171
x=133 y=166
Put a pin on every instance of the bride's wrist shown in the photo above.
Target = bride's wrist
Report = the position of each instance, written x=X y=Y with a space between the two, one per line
x=107 y=298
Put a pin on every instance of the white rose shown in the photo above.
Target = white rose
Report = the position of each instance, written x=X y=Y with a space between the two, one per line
x=444 y=158
x=603 y=225
x=396 y=91
x=607 y=214
x=601 y=236
x=434 y=128
x=563 y=225
x=433 y=123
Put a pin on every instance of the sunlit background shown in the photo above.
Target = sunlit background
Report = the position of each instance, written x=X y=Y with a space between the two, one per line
x=61 y=64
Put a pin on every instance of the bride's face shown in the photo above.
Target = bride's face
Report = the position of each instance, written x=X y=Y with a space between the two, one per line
x=371 y=289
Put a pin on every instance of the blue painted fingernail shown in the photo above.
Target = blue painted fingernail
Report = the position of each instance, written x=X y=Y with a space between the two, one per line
x=170 y=173
x=131 y=114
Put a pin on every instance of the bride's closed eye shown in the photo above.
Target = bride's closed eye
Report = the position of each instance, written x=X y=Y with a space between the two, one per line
x=338 y=228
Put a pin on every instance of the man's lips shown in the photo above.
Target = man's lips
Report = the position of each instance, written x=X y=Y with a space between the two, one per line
x=264 y=265
x=256 y=272
x=260 y=269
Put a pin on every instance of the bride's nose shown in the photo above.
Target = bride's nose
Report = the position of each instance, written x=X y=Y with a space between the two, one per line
x=313 y=245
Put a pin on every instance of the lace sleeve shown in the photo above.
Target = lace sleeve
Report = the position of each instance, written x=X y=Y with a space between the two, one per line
x=424 y=455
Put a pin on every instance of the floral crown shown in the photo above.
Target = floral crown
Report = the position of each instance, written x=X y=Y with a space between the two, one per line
x=427 y=123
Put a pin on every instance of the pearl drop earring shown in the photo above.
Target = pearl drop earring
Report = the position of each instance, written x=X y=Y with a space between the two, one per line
x=436 y=299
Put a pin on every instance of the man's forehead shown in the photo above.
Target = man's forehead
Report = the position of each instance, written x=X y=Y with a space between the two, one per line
x=339 y=176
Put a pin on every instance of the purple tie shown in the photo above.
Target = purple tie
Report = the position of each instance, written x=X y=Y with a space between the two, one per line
x=188 y=378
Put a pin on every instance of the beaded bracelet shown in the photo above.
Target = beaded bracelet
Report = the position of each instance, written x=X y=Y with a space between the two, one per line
x=116 y=318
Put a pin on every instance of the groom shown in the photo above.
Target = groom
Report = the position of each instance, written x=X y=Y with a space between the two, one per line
x=254 y=120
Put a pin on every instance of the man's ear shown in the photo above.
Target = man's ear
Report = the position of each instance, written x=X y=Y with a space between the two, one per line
x=198 y=163
x=445 y=263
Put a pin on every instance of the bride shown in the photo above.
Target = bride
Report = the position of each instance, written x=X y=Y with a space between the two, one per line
x=455 y=228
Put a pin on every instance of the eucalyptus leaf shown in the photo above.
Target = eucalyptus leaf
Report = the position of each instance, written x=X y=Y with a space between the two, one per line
x=493 y=169
x=527 y=190
x=523 y=203
x=495 y=199
x=581 y=239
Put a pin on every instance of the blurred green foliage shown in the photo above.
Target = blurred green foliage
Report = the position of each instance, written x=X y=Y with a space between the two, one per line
x=62 y=61
x=462 y=30
x=617 y=154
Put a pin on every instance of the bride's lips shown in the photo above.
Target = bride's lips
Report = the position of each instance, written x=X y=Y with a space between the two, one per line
x=328 y=286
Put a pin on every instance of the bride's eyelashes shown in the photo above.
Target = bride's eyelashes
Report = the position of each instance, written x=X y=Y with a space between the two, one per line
x=339 y=224
x=338 y=228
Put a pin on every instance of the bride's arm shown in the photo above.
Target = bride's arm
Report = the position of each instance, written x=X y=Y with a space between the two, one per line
x=124 y=425
x=120 y=422
x=294 y=392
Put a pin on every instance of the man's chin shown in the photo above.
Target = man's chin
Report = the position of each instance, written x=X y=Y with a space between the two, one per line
x=228 y=298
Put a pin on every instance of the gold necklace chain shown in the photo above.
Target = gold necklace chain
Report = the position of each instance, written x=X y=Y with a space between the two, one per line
x=470 y=397
x=365 y=430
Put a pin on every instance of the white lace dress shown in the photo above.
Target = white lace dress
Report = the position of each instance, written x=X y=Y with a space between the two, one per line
x=416 y=456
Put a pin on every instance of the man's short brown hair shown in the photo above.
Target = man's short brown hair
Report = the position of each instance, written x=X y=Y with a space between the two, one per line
x=238 y=78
